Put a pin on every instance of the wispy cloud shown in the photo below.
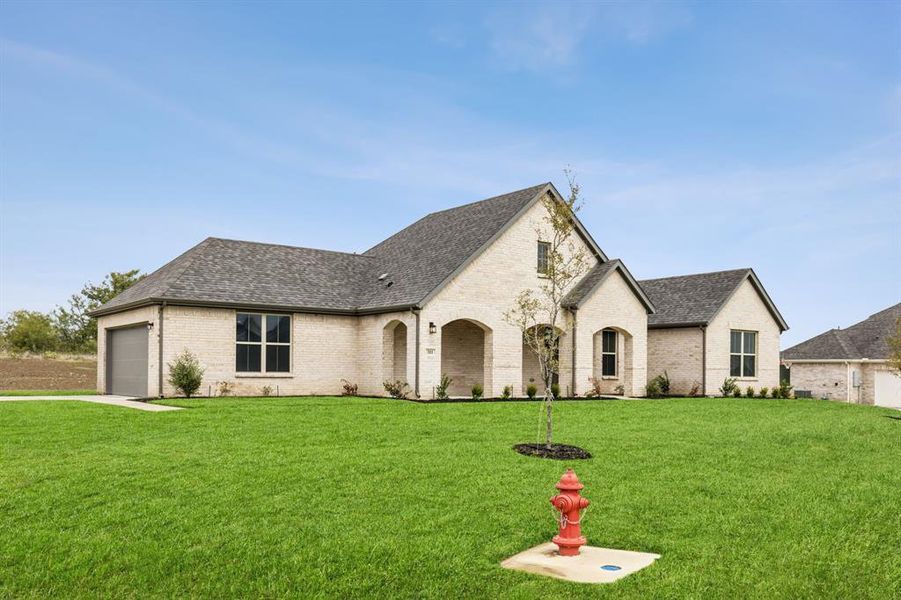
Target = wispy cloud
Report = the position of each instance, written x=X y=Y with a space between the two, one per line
x=546 y=36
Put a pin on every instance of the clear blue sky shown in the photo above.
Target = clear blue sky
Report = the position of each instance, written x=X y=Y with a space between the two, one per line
x=706 y=136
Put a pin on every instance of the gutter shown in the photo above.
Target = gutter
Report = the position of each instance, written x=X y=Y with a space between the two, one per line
x=416 y=362
x=252 y=307
x=574 y=312
x=160 y=359
x=703 y=329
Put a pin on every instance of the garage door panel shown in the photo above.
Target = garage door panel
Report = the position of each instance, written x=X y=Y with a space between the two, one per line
x=888 y=389
x=127 y=360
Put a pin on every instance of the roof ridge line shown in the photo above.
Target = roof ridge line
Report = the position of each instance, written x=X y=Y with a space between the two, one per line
x=531 y=187
x=189 y=260
x=697 y=274
x=288 y=246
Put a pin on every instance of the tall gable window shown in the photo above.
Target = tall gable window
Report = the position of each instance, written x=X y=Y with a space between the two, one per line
x=257 y=346
x=544 y=251
x=743 y=353
x=608 y=353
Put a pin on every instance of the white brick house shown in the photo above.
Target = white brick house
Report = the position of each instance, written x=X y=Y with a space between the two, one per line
x=430 y=300
x=851 y=364
x=712 y=326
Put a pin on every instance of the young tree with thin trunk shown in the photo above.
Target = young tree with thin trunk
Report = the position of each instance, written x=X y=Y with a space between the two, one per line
x=894 y=348
x=539 y=314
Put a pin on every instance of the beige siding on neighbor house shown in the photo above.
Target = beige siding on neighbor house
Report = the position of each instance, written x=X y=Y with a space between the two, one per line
x=823 y=380
x=482 y=292
x=137 y=316
x=679 y=352
x=744 y=310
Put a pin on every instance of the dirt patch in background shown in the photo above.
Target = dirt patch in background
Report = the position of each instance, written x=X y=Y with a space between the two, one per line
x=43 y=373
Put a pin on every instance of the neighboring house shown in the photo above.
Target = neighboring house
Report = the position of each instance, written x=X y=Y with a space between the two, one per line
x=713 y=326
x=430 y=300
x=849 y=364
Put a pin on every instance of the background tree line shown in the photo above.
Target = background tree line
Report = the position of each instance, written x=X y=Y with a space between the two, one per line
x=66 y=329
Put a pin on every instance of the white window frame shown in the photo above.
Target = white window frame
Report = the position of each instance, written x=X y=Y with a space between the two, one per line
x=614 y=354
x=263 y=343
x=742 y=354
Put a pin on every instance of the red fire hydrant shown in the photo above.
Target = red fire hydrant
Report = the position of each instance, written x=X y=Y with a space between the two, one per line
x=569 y=502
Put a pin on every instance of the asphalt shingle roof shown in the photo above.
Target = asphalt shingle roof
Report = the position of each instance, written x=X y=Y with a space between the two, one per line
x=866 y=339
x=690 y=299
x=583 y=290
x=414 y=262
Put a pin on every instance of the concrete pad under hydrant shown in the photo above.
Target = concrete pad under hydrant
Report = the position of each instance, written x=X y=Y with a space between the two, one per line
x=592 y=565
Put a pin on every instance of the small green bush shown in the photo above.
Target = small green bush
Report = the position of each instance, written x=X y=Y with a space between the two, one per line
x=28 y=331
x=736 y=393
x=652 y=389
x=776 y=392
x=397 y=388
x=531 y=391
x=764 y=392
x=348 y=388
x=785 y=389
x=477 y=391
x=729 y=386
x=664 y=383
x=186 y=374
x=555 y=390
x=441 y=388
x=507 y=392
x=750 y=392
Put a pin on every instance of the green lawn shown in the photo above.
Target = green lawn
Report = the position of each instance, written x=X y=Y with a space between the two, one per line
x=336 y=497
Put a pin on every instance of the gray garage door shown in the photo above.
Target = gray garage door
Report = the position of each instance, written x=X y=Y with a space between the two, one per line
x=127 y=361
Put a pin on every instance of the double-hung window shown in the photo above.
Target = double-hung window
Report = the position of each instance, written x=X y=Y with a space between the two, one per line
x=544 y=251
x=262 y=341
x=608 y=353
x=743 y=353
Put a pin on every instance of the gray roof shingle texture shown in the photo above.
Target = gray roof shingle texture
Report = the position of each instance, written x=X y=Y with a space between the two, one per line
x=415 y=260
x=690 y=299
x=867 y=339
x=584 y=288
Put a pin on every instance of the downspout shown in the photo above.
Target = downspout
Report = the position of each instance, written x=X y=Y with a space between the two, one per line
x=416 y=382
x=703 y=360
x=574 y=312
x=160 y=359
x=847 y=382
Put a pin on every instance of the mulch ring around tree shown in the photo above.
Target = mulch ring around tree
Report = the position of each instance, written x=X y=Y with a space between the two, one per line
x=555 y=452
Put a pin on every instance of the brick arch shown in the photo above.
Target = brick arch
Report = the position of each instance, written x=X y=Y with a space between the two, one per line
x=624 y=361
x=467 y=355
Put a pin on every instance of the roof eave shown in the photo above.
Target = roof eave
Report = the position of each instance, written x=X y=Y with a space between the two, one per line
x=254 y=306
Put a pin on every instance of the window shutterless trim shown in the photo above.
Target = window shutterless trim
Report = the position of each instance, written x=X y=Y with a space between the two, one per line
x=742 y=354
x=262 y=344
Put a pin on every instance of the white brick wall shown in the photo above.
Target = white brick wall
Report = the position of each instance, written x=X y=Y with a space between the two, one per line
x=745 y=310
x=679 y=352
x=823 y=380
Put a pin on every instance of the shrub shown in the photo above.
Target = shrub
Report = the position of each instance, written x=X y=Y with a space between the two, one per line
x=508 y=391
x=28 y=331
x=225 y=388
x=595 y=391
x=185 y=374
x=776 y=392
x=664 y=383
x=267 y=390
x=555 y=390
x=785 y=389
x=729 y=386
x=620 y=389
x=764 y=392
x=652 y=389
x=736 y=393
x=477 y=391
x=695 y=389
x=348 y=388
x=531 y=391
x=749 y=392
x=396 y=389
x=441 y=388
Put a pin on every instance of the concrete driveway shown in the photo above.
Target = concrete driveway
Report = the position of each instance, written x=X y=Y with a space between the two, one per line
x=124 y=401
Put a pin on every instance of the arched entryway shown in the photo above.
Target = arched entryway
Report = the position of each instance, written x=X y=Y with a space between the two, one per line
x=531 y=365
x=612 y=361
x=394 y=351
x=466 y=356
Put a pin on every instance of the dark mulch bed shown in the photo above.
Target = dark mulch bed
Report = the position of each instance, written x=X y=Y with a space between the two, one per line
x=555 y=452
